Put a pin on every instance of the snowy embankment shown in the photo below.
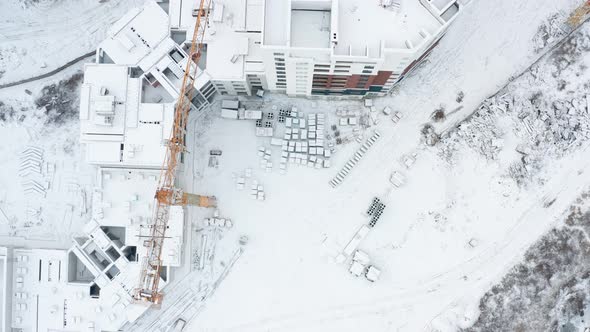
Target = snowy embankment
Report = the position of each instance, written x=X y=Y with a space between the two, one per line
x=549 y=289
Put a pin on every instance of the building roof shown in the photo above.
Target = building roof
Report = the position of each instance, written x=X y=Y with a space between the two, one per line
x=44 y=301
x=51 y=289
x=137 y=34
x=317 y=28
x=277 y=18
x=233 y=43
x=358 y=26
x=116 y=126
x=233 y=35
x=126 y=200
x=365 y=24
x=142 y=39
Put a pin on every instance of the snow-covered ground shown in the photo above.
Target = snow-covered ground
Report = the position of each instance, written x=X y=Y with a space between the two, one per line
x=37 y=36
x=288 y=280
x=41 y=148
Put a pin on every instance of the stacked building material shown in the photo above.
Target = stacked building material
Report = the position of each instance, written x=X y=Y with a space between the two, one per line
x=337 y=180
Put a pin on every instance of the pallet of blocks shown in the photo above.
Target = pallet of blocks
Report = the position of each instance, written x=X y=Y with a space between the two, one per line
x=352 y=162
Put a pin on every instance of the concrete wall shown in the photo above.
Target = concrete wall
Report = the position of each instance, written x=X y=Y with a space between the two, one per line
x=5 y=290
x=311 y=4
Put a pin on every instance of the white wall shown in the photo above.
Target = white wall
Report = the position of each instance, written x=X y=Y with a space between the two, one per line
x=299 y=76
x=232 y=87
x=311 y=4
x=5 y=282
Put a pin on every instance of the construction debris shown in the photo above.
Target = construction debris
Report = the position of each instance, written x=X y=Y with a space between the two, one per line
x=544 y=126
x=553 y=30
x=218 y=222
x=31 y=171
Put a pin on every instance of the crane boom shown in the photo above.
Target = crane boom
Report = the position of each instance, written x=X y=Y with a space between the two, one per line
x=148 y=291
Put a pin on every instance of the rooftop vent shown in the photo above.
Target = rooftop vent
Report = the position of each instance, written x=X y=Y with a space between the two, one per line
x=393 y=5
x=104 y=109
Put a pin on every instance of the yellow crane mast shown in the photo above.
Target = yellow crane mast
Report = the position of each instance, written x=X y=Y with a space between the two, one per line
x=167 y=194
x=579 y=14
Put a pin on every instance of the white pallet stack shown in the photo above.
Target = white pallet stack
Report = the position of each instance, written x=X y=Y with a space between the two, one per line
x=352 y=162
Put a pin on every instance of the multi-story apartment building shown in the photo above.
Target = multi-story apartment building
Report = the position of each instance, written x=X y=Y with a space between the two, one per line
x=348 y=47
x=315 y=47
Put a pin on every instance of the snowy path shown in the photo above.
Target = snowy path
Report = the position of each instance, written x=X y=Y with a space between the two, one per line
x=49 y=74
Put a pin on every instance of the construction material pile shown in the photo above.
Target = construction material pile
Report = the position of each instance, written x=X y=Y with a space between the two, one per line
x=544 y=113
x=337 y=180
x=479 y=132
x=552 y=126
x=551 y=31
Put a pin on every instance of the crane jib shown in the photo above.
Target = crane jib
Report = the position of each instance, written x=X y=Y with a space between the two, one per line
x=167 y=195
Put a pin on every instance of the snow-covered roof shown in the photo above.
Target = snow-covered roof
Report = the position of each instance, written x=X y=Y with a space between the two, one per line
x=137 y=34
x=116 y=126
x=365 y=24
x=316 y=33
x=233 y=42
x=233 y=35
x=43 y=299
x=90 y=286
x=356 y=26
x=142 y=39
x=126 y=200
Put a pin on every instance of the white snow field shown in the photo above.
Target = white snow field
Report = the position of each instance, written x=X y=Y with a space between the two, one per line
x=45 y=185
x=445 y=236
x=37 y=36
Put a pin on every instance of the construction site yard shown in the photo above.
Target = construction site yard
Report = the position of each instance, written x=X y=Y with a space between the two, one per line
x=481 y=164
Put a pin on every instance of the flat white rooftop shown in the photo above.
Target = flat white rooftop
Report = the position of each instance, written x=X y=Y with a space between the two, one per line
x=232 y=35
x=365 y=23
x=126 y=200
x=103 y=100
x=276 y=21
x=361 y=25
x=137 y=34
x=43 y=301
x=316 y=33
x=117 y=128
x=234 y=38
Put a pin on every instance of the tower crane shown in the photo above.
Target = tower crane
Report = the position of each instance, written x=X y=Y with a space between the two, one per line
x=167 y=194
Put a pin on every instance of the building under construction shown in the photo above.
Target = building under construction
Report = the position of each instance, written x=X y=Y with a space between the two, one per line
x=158 y=63
x=298 y=47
